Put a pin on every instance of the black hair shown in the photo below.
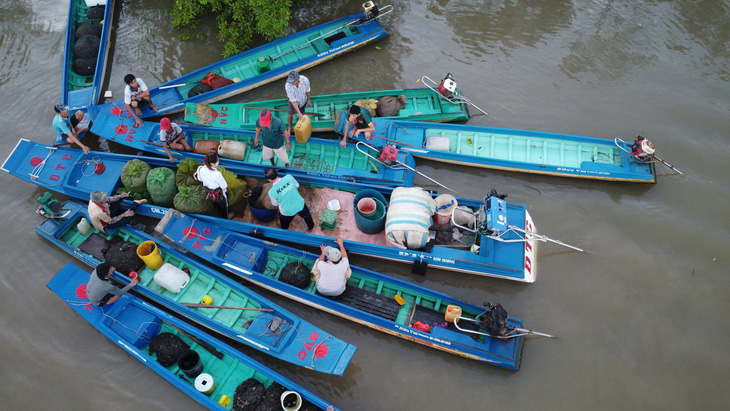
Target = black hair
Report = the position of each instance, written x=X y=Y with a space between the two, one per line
x=129 y=78
x=102 y=270
x=355 y=109
x=271 y=174
x=210 y=159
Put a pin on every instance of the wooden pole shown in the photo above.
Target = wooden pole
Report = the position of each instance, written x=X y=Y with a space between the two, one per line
x=284 y=111
x=193 y=305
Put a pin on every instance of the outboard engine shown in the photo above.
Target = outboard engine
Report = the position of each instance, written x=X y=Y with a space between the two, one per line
x=388 y=155
x=495 y=320
x=370 y=10
x=492 y=216
x=642 y=148
x=49 y=206
x=447 y=88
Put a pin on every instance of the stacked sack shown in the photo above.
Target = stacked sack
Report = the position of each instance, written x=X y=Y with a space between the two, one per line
x=86 y=42
x=409 y=217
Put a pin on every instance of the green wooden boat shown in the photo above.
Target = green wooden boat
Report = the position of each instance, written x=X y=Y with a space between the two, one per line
x=421 y=105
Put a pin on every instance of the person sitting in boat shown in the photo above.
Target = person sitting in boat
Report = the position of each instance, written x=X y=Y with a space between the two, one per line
x=136 y=95
x=100 y=291
x=284 y=194
x=106 y=213
x=297 y=91
x=173 y=137
x=214 y=183
x=332 y=270
x=273 y=134
x=65 y=127
x=361 y=123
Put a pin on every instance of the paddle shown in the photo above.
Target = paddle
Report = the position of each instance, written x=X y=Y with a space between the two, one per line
x=193 y=305
x=284 y=111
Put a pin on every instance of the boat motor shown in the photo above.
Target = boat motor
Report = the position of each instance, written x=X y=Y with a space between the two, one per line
x=492 y=216
x=49 y=207
x=388 y=155
x=447 y=88
x=643 y=149
x=370 y=10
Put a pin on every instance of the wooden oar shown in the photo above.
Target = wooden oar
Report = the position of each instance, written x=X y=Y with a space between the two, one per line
x=193 y=305
x=203 y=344
x=284 y=111
x=398 y=142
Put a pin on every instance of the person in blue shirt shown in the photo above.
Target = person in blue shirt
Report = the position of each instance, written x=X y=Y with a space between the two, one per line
x=284 y=193
x=65 y=127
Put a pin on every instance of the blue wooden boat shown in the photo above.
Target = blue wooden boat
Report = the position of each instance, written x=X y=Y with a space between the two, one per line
x=253 y=321
x=317 y=157
x=263 y=64
x=82 y=90
x=133 y=324
x=375 y=300
x=510 y=256
x=517 y=150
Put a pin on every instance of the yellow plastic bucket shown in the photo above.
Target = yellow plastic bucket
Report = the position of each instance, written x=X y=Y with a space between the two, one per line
x=150 y=254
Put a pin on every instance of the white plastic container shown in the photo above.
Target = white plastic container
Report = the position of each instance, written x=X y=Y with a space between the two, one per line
x=171 y=278
x=205 y=384
x=438 y=143
x=84 y=226
x=92 y=3
x=235 y=150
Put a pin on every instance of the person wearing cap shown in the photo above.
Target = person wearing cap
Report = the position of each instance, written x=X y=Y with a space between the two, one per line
x=297 y=91
x=172 y=137
x=273 y=135
x=65 y=127
x=284 y=194
x=100 y=291
x=106 y=213
x=136 y=94
x=361 y=123
x=331 y=270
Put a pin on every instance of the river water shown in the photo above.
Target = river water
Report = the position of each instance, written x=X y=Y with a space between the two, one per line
x=641 y=317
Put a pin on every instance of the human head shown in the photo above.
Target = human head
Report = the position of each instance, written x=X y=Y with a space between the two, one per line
x=265 y=118
x=129 y=78
x=98 y=196
x=211 y=160
x=333 y=254
x=355 y=110
x=103 y=270
x=293 y=77
x=165 y=124
x=60 y=108
x=271 y=174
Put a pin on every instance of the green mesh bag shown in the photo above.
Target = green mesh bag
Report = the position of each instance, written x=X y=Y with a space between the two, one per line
x=134 y=175
x=161 y=186
x=185 y=171
x=192 y=200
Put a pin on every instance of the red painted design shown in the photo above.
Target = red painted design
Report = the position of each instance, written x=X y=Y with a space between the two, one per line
x=35 y=161
x=190 y=232
x=81 y=291
x=121 y=129
x=321 y=351
x=117 y=111
x=215 y=114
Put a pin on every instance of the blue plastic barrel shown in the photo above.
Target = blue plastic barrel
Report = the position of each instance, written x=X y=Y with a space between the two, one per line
x=262 y=215
x=374 y=223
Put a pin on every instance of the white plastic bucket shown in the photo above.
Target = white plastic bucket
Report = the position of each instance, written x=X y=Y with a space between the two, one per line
x=445 y=205
x=438 y=143
x=235 y=150
x=205 y=384
x=291 y=401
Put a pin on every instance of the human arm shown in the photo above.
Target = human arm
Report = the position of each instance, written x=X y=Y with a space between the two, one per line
x=131 y=111
x=258 y=131
x=321 y=254
x=343 y=143
x=309 y=100
x=340 y=242
x=71 y=138
x=167 y=150
x=287 y=136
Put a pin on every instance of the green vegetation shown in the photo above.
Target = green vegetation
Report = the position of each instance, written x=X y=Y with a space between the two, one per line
x=238 y=20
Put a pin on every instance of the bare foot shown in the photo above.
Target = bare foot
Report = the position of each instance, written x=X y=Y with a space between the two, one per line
x=138 y=111
x=142 y=201
x=231 y=215
x=154 y=107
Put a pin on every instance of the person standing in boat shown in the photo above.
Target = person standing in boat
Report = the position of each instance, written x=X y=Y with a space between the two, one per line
x=65 y=127
x=172 y=137
x=214 y=183
x=136 y=95
x=359 y=122
x=297 y=91
x=273 y=135
x=106 y=213
x=100 y=291
x=332 y=270
x=284 y=193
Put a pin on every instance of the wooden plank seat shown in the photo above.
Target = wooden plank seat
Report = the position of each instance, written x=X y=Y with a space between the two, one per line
x=368 y=301
x=431 y=317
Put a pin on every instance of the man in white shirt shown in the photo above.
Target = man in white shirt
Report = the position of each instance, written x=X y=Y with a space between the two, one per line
x=297 y=91
x=136 y=94
x=332 y=269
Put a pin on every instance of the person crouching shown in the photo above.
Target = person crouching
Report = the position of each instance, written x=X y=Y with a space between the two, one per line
x=331 y=270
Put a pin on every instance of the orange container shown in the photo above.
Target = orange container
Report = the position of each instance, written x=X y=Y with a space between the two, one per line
x=452 y=311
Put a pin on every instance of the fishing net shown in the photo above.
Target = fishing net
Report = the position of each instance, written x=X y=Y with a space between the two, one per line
x=192 y=200
x=168 y=348
x=272 y=398
x=134 y=175
x=248 y=396
x=204 y=114
x=84 y=67
x=161 y=186
x=123 y=256
x=96 y=12
x=87 y=27
x=308 y=407
x=199 y=89
x=185 y=170
x=87 y=47
x=296 y=274
x=390 y=106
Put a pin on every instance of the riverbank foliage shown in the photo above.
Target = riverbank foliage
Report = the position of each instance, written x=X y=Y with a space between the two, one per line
x=238 y=20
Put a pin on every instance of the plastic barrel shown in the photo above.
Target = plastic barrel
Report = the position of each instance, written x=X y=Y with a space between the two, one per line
x=189 y=363
x=262 y=215
x=366 y=206
x=263 y=65
x=377 y=223
x=445 y=205
x=150 y=254
x=205 y=383
x=235 y=150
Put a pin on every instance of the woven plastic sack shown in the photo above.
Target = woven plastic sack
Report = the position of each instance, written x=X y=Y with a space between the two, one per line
x=370 y=104
x=236 y=189
x=192 y=200
x=390 y=106
x=134 y=175
x=161 y=186
x=185 y=170
x=410 y=214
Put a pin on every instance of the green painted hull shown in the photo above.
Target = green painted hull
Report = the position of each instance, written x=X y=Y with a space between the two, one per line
x=421 y=105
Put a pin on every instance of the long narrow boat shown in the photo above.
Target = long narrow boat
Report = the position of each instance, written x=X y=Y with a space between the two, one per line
x=83 y=90
x=70 y=172
x=318 y=157
x=371 y=299
x=421 y=105
x=255 y=324
x=134 y=325
x=517 y=150
x=263 y=64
